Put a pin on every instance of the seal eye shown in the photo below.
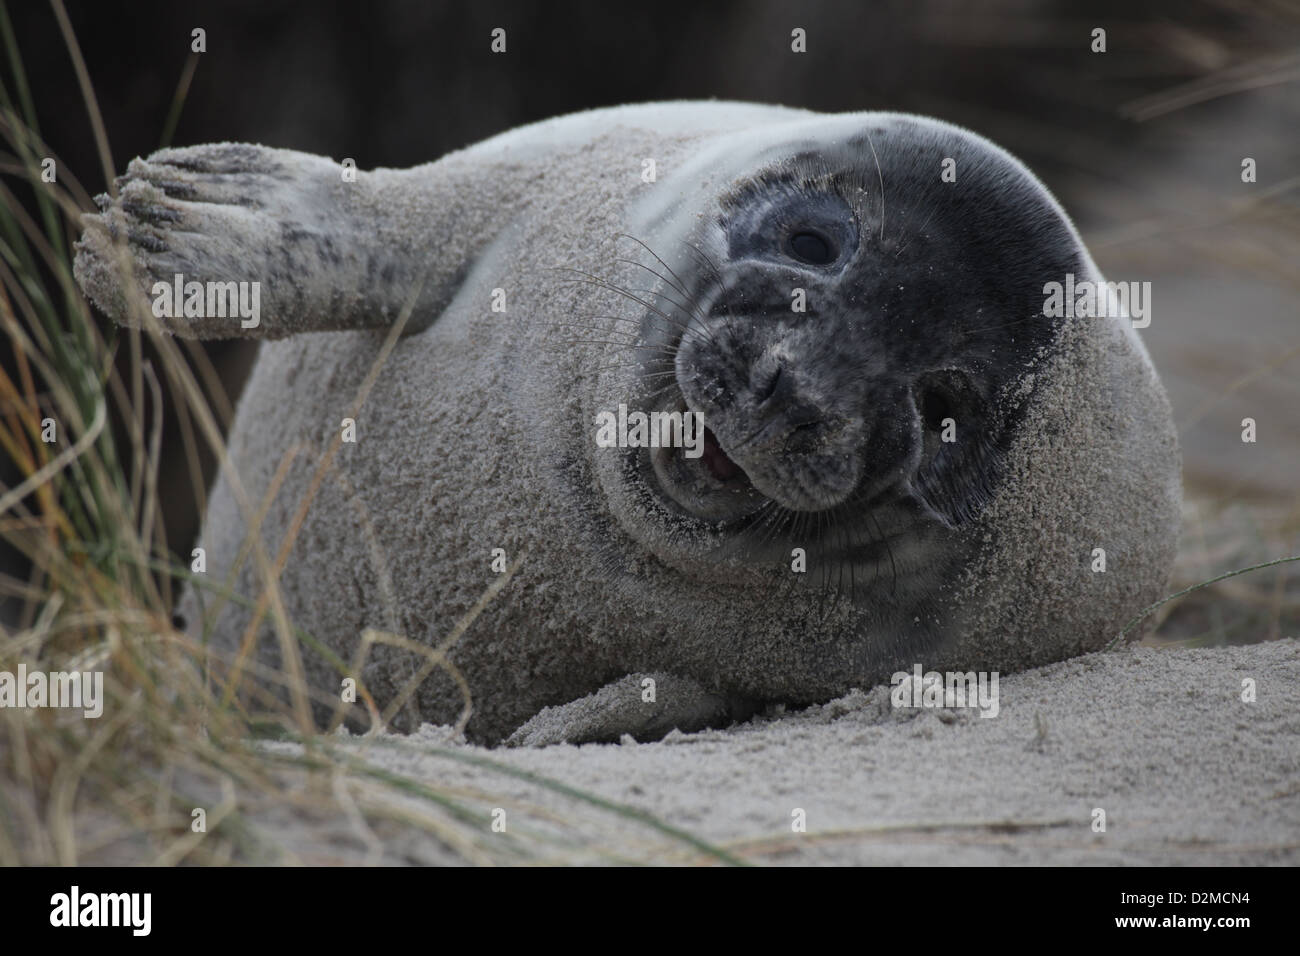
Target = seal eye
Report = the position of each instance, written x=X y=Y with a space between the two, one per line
x=811 y=248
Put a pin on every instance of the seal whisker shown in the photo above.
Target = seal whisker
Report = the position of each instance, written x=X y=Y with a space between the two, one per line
x=893 y=588
x=622 y=345
x=609 y=286
x=823 y=566
x=665 y=372
x=632 y=339
x=662 y=278
x=680 y=285
x=741 y=544
x=606 y=368
x=765 y=529
x=881 y=176
x=631 y=320
x=637 y=322
x=700 y=254
x=597 y=281
x=839 y=577
x=684 y=309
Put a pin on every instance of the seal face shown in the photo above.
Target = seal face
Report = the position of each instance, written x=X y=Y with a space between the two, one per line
x=861 y=369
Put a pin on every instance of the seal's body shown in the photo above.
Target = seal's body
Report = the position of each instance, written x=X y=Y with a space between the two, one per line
x=905 y=460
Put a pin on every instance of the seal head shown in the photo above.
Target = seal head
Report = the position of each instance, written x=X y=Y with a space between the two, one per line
x=856 y=332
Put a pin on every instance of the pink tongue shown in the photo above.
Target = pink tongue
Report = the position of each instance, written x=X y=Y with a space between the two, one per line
x=716 y=460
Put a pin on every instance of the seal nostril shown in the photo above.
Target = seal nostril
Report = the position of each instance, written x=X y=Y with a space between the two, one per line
x=935 y=407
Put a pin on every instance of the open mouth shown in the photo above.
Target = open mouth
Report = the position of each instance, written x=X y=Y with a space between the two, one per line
x=719 y=465
x=708 y=485
x=711 y=486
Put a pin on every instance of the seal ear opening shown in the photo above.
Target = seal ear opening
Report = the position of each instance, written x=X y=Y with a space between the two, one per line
x=961 y=454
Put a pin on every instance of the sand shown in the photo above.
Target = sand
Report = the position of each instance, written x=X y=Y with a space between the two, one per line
x=1161 y=740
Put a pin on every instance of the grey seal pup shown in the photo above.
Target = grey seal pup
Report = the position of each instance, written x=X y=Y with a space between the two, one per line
x=903 y=460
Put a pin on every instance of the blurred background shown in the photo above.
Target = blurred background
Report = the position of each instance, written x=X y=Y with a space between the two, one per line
x=1143 y=144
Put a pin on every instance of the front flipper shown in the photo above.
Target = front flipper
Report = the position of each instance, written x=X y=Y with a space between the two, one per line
x=329 y=248
x=622 y=708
